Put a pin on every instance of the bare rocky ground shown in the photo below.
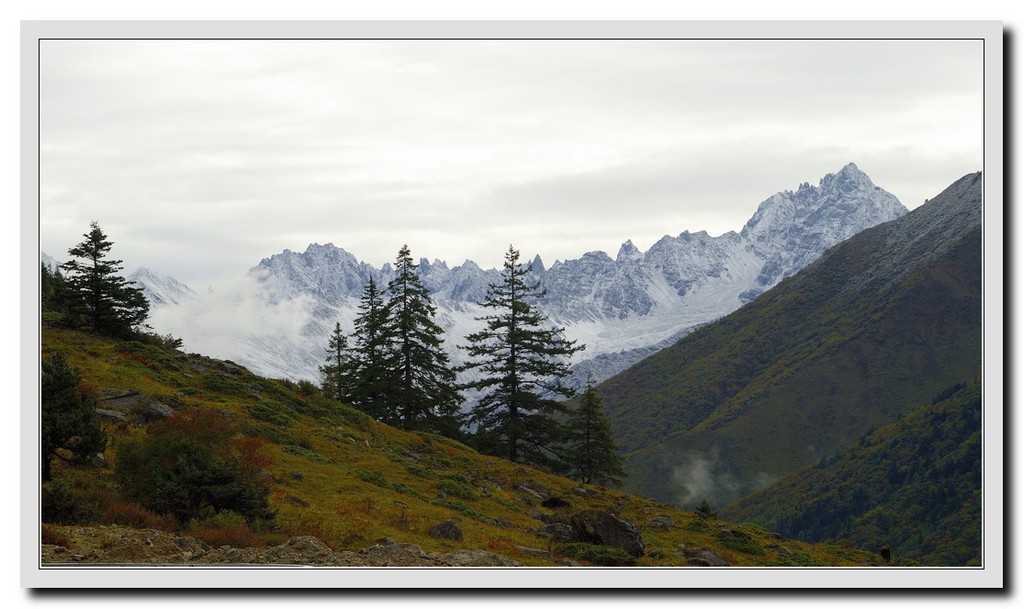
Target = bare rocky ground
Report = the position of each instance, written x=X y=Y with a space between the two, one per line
x=118 y=545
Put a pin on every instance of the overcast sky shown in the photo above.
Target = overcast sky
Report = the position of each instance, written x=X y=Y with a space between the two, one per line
x=199 y=158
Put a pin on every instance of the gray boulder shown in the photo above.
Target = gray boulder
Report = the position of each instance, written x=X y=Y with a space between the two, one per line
x=133 y=404
x=699 y=556
x=660 y=523
x=607 y=529
x=446 y=530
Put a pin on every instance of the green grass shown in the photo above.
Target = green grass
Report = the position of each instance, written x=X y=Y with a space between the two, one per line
x=359 y=480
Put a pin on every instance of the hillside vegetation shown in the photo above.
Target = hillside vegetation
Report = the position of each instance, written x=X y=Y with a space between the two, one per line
x=335 y=474
x=914 y=485
x=881 y=323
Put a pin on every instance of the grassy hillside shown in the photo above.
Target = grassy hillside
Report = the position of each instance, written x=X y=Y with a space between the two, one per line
x=914 y=485
x=880 y=323
x=340 y=476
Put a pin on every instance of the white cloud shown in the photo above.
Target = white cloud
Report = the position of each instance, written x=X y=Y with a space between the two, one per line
x=199 y=158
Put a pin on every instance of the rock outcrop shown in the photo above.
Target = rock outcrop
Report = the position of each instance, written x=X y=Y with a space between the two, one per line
x=607 y=529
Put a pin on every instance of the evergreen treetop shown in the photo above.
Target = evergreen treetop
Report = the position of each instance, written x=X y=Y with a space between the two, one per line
x=100 y=297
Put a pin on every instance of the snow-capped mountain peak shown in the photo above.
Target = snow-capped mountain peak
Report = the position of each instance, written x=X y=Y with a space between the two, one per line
x=621 y=308
x=628 y=253
x=160 y=289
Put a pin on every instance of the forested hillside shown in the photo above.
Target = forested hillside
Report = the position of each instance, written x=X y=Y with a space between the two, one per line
x=914 y=485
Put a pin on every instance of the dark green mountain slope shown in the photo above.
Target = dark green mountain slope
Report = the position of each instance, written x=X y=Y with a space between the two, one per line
x=883 y=321
x=914 y=485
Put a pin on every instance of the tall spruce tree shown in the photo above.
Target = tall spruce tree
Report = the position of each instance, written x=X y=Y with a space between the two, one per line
x=336 y=370
x=424 y=393
x=100 y=297
x=592 y=452
x=369 y=386
x=522 y=360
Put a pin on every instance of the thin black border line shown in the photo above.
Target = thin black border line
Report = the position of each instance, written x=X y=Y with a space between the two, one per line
x=287 y=568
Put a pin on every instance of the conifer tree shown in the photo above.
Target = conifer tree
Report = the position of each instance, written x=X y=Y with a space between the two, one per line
x=369 y=384
x=522 y=360
x=424 y=394
x=70 y=426
x=336 y=370
x=593 y=454
x=53 y=291
x=102 y=298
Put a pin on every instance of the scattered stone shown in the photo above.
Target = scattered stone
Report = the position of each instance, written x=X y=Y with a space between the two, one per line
x=537 y=488
x=152 y=412
x=529 y=496
x=133 y=406
x=446 y=530
x=297 y=475
x=607 y=529
x=583 y=492
x=112 y=414
x=555 y=503
x=534 y=551
x=229 y=367
x=476 y=558
x=557 y=531
x=781 y=549
x=297 y=501
x=699 y=555
x=660 y=523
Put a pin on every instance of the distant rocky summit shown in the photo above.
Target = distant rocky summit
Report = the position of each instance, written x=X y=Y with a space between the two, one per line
x=621 y=308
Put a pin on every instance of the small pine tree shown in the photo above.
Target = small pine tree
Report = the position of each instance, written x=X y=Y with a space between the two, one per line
x=336 y=370
x=522 y=364
x=704 y=510
x=425 y=394
x=100 y=297
x=70 y=426
x=593 y=453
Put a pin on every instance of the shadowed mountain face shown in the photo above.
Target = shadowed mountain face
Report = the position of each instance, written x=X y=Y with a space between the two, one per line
x=914 y=485
x=878 y=325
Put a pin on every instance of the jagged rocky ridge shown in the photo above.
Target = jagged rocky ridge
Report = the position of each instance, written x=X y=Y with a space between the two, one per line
x=621 y=308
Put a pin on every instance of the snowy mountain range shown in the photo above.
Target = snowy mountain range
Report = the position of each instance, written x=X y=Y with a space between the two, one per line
x=276 y=320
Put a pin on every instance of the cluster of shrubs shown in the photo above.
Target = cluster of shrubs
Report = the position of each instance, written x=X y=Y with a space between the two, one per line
x=192 y=471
